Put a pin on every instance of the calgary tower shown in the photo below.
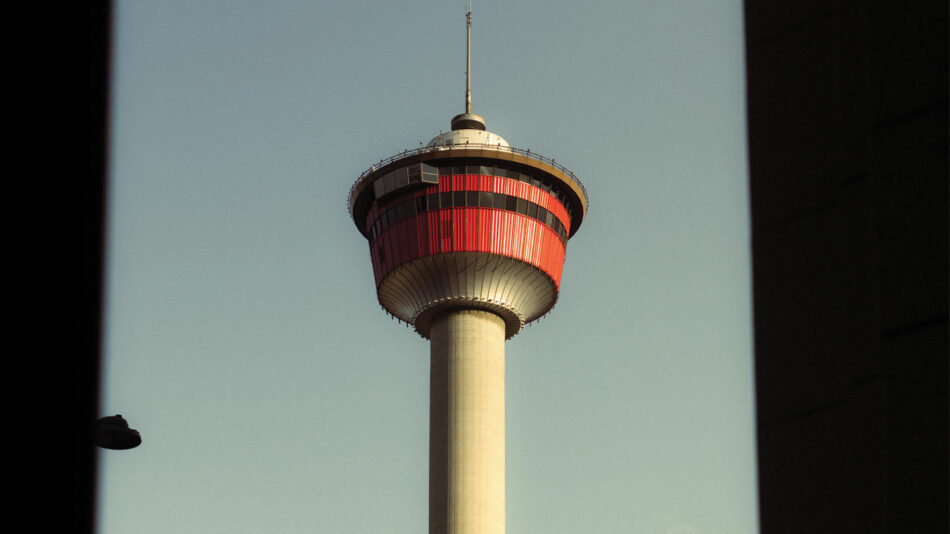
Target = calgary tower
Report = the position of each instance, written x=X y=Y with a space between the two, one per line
x=467 y=237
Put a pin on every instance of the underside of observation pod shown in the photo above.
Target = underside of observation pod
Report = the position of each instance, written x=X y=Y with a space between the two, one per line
x=419 y=290
x=468 y=222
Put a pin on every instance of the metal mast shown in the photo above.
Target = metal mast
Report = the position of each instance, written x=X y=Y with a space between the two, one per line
x=468 y=59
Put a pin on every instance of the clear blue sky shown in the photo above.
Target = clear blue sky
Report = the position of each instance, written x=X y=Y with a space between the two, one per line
x=243 y=336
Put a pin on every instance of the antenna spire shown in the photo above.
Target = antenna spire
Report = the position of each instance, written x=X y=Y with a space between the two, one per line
x=468 y=120
x=468 y=59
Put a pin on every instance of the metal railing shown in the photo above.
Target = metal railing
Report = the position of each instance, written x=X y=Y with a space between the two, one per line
x=466 y=146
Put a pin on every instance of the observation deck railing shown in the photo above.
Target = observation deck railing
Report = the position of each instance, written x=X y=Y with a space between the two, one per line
x=463 y=146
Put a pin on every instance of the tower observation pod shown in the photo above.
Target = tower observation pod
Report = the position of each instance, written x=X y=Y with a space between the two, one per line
x=467 y=238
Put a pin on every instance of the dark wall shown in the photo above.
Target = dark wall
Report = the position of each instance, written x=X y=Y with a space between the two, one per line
x=55 y=184
x=847 y=111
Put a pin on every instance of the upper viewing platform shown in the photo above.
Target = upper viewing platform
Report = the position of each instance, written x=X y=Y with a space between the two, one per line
x=466 y=146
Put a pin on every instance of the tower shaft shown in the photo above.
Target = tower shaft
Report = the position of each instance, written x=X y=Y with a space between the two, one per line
x=467 y=423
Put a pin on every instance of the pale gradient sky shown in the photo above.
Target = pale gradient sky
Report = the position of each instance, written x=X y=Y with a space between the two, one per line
x=243 y=337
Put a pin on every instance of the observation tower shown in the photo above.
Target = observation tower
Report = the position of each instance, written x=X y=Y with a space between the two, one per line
x=467 y=237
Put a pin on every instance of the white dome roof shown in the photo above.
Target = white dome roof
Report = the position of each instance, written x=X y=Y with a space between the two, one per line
x=468 y=137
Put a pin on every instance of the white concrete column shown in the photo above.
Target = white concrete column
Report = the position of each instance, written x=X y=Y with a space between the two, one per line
x=467 y=424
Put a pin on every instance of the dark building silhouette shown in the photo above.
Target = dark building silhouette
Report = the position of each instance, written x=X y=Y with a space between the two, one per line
x=60 y=81
x=847 y=111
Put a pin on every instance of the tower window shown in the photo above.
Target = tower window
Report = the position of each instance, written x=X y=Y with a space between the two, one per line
x=430 y=174
x=522 y=206
x=401 y=178
x=498 y=201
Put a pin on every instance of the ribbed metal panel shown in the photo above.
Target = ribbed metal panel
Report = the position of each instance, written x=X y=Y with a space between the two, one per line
x=420 y=289
x=469 y=230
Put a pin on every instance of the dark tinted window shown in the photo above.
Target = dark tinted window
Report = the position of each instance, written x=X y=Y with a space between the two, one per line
x=498 y=201
x=485 y=199
x=387 y=183
x=471 y=198
x=522 y=206
x=401 y=177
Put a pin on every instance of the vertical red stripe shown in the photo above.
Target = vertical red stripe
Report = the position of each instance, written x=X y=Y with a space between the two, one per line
x=483 y=229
